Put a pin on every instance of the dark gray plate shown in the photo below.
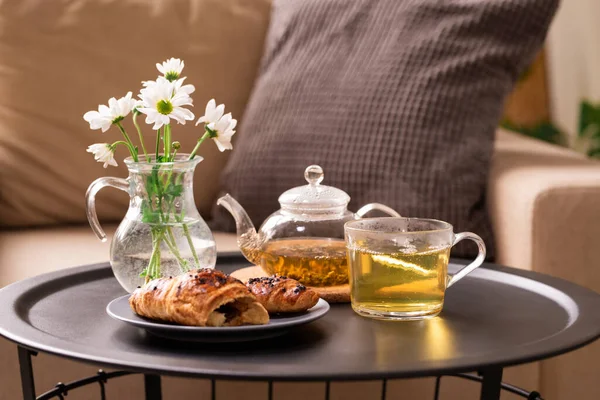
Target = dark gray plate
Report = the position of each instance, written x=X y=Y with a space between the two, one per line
x=278 y=325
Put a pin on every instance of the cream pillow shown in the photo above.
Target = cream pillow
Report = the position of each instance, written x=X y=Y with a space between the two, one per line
x=61 y=59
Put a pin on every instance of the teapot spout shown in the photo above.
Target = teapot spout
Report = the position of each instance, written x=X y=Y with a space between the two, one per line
x=247 y=238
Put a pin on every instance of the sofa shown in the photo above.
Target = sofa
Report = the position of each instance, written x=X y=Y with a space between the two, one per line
x=542 y=198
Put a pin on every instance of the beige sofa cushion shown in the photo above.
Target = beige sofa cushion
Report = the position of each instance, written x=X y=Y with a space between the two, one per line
x=61 y=59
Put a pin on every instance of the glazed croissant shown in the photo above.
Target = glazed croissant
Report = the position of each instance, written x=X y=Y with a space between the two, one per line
x=279 y=294
x=203 y=297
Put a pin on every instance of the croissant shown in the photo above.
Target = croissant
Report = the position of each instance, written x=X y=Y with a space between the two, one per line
x=279 y=294
x=203 y=297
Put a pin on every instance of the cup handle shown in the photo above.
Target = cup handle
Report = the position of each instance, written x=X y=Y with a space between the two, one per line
x=90 y=201
x=377 y=206
x=478 y=261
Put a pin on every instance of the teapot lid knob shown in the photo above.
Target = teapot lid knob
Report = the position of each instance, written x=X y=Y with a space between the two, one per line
x=314 y=197
x=314 y=175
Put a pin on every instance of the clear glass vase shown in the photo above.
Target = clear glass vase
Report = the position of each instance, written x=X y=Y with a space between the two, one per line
x=162 y=233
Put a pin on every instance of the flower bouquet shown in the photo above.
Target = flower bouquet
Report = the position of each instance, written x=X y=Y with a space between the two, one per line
x=162 y=233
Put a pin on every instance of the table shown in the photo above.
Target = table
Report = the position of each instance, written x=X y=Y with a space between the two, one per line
x=496 y=317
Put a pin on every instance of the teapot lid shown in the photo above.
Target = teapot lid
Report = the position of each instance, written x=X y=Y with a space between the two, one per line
x=313 y=196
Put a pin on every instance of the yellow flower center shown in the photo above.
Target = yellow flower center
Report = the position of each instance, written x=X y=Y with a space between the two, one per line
x=164 y=107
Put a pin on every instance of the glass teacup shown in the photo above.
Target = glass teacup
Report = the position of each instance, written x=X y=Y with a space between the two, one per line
x=399 y=266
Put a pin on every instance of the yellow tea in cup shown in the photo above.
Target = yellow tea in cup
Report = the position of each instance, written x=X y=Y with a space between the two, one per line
x=399 y=281
x=399 y=266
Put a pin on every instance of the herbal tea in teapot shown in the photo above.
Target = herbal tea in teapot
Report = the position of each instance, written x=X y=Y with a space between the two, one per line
x=303 y=239
x=312 y=261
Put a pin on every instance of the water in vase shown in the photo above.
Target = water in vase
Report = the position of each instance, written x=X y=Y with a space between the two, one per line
x=181 y=246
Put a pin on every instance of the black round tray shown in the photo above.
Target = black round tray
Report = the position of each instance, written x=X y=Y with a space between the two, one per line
x=495 y=317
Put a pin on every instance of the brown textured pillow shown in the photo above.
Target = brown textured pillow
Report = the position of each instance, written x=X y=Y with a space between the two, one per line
x=59 y=59
x=398 y=101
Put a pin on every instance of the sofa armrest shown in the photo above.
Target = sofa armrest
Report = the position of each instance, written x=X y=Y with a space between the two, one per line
x=544 y=201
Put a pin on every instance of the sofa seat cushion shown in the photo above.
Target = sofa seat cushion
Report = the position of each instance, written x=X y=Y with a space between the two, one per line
x=28 y=252
x=398 y=101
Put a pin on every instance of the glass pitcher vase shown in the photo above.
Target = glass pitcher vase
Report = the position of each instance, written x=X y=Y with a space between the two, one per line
x=162 y=233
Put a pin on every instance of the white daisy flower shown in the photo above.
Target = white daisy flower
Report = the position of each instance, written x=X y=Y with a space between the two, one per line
x=189 y=89
x=106 y=116
x=171 y=69
x=138 y=104
x=103 y=152
x=213 y=113
x=163 y=101
x=222 y=131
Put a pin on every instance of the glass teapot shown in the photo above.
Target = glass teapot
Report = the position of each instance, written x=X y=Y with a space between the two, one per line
x=304 y=240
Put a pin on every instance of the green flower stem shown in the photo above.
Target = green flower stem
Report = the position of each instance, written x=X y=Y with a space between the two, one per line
x=202 y=139
x=167 y=142
x=157 y=189
x=128 y=140
x=186 y=230
x=120 y=142
x=157 y=144
x=171 y=174
x=139 y=131
x=174 y=251
x=153 y=268
x=170 y=239
x=156 y=264
x=188 y=236
x=173 y=247
x=163 y=218
x=131 y=150
x=179 y=176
